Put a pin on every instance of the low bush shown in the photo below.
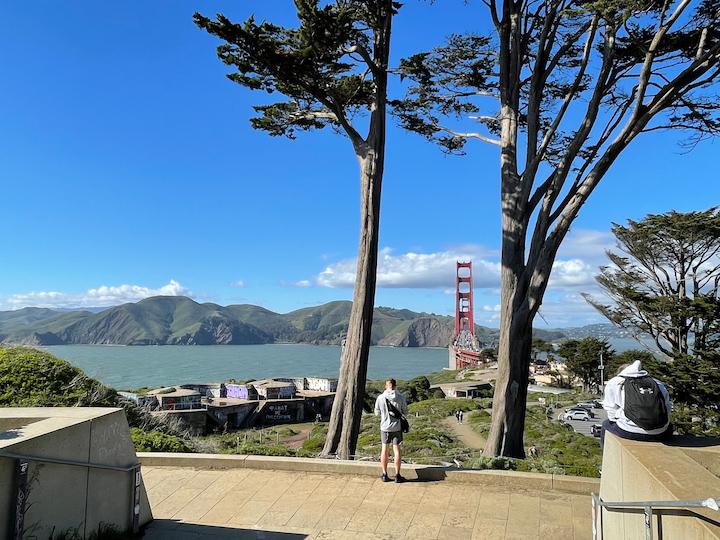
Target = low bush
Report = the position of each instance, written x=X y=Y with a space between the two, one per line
x=156 y=441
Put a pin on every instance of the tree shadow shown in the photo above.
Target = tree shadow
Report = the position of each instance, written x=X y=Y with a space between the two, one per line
x=170 y=529
x=10 y=434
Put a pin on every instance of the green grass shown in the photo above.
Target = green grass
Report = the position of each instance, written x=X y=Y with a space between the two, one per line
x=560 y=451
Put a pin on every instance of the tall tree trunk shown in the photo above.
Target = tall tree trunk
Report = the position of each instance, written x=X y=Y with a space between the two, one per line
x=347 y=408
x=344 y=426
x=514 y=350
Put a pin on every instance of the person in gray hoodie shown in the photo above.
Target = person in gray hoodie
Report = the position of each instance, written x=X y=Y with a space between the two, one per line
x=390 y=427
x=638 y=406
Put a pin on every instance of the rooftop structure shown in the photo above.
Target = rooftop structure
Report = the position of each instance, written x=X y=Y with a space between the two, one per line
x=176 y=398
x=464 y=389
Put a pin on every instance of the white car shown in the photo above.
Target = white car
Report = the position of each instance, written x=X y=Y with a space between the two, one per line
x=578 y=415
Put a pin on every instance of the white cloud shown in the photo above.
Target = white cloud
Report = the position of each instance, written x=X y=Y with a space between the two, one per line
x=575 y=268
x=104 y=295
x=572 y=274
x=239 y=283
x=304 y=283
x=416 y=270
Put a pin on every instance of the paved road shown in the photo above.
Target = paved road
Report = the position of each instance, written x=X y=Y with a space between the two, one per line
x=584 y=427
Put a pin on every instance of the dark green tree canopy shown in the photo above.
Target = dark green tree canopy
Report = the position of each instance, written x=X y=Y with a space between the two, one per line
x=324 y=68
x=582 y=358
x=664 y=281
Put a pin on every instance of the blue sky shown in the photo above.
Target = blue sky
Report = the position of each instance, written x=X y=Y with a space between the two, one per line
x=128 y=168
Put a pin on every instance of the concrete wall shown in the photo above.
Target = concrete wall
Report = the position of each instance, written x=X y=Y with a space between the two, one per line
x=236 y=416
x=637 y=471
x=193 y=421
x=322 y=384
x=281 y=412
x=238 y=391
x=66 y=496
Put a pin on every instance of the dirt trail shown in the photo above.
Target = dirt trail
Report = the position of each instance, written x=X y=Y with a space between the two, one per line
x=465 y=433
x=296 y=441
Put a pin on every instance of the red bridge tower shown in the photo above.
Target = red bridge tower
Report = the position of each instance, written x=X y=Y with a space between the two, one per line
x=465 y=348
x=464 y=299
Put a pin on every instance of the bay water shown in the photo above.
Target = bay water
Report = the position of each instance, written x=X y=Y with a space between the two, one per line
x=126 y=368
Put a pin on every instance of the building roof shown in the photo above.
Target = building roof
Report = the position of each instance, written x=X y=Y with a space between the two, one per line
x=314 y=393
x=228 y=402
x=463 y=385
x=173 y=391
x=272 y=383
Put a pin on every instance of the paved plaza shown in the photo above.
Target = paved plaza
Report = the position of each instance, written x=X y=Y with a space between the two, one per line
x=249 y=503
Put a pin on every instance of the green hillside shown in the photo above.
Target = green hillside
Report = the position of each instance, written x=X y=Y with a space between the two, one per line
x=178 y=320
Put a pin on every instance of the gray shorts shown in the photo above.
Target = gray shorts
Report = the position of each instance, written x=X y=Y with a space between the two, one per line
x=391 y=437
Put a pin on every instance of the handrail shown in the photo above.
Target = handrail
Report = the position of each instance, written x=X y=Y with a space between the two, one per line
x=55 y=461
x=647 y=506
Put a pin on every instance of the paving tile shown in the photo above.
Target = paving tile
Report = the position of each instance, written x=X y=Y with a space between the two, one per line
x=250 y=513
x=367 y=517
x=395 y=521
x=425 y=524
x=489 y=529
x=524 y=517
x=308 y=516
x=226 y=507
x=556 y=519
x=197 y=508
x=494 y=505
x=174 y=502
x=455 y=533
x=336 y=517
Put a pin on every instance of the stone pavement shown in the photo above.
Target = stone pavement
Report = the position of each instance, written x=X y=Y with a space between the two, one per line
x=196 y=504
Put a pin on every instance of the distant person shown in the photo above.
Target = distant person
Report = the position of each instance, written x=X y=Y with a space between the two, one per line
x=461 y=415
x=638 y=406
x=390 y=406
x=457 y=416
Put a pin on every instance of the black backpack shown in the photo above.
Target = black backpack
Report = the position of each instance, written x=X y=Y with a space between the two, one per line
x=644 y=403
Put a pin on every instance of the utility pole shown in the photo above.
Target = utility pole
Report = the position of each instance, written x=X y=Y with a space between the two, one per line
x=601 y=367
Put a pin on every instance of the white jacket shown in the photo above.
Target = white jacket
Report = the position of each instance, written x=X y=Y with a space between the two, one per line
x=614 y=400
x=387 y=422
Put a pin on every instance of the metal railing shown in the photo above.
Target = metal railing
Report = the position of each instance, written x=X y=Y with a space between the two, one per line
x=21 y=491
x=647 y=506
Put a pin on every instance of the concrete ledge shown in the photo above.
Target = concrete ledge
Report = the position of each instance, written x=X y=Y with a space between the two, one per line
x=679 y=469
x=503 y=479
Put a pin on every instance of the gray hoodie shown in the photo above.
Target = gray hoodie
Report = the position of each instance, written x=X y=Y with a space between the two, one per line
x=388 y=423
x=614 y=400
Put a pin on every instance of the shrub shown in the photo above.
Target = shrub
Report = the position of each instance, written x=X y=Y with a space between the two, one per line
x=34 y=378
x=155 y=441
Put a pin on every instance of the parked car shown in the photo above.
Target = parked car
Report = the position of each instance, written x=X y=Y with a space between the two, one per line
x=589 y=405
x=596 y=429
x=597 y=404
x=578 y=414
x=581 y=409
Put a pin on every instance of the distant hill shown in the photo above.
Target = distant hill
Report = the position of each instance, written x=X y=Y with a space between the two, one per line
x=177 y=320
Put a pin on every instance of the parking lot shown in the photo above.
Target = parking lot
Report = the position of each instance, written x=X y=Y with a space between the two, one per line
x=584 y=427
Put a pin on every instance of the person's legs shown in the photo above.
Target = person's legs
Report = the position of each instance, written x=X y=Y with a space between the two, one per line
x=398 y=458
x=605 y=426
x=384 y=458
